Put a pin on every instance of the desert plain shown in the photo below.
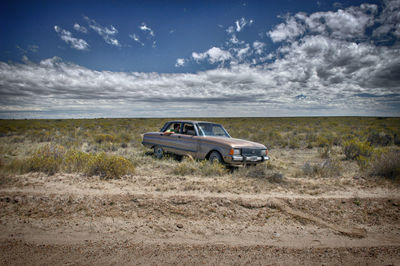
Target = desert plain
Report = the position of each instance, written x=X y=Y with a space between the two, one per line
x=311 y=204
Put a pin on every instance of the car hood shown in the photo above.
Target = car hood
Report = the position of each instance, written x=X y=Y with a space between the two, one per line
x=237 y=143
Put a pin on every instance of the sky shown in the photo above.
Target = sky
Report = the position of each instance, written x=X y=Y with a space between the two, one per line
x=89 y=59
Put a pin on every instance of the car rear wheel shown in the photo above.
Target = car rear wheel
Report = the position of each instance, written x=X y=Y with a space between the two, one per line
x=158 y=152
x=215 y=157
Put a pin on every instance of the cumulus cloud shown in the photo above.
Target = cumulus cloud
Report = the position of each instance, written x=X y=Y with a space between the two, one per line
x=66 y=36
x=180 y=62
x=107 y=33
x=389 y=19
x=286 y=31
x=349 y=23
x=316 y=70
x=213 y=55
x=80 y=28
x=332 y=77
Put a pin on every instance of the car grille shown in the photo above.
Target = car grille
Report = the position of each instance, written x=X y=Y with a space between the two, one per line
x=251 y=152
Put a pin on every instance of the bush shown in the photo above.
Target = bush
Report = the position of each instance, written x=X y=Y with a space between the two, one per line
x=380 y=139
x=100 y=138
x=327 y=168
x=47 y=159
x=354 y=149
x=16 y=166
x=260 y=171
x=75 y=161
x=293 y=142
x=204 y=168
x=108 y=166
x=386 y=165
x=51 y=159
x=212 y=169
x=323 y=142
x=186 y=167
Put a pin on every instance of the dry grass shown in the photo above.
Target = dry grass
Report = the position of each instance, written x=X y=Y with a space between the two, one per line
x=326 y=140
x=386 y=165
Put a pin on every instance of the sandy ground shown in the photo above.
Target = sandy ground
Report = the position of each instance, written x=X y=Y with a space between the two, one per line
x=167 y=219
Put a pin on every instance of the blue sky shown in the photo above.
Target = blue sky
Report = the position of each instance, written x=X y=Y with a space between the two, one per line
x=199 y=58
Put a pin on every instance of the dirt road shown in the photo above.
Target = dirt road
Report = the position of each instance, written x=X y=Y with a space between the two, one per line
x=69 y=219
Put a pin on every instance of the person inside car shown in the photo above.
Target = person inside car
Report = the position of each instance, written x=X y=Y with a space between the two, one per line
x=176 y=129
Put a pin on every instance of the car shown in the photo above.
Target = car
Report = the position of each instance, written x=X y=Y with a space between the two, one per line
x=204 y=140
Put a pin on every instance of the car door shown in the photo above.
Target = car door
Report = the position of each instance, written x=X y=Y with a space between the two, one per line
x=169 y=141
x=187 y=142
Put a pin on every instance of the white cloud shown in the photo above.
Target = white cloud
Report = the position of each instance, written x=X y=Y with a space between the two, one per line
x=286 y=31
x=80 y=28
x=389 y=19
x=258 y=47
x=241 y=23
x=136 y=38
x=147 y=36
x=241 y=53
x=75 y=43
x=320 y=70
x=349 y=23
x=234 y=40
x=332 y=77
x=230 y=30
x=107 y=33
x=180 y=62
x=145 y=28
x=213 y=55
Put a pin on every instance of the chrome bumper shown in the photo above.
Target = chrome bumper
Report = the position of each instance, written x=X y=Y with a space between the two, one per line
x=239 y=159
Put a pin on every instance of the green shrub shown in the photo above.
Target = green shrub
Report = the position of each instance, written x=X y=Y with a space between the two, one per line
x=108 y=166
x=75 y=161
x=354 y=149
x=47 y=159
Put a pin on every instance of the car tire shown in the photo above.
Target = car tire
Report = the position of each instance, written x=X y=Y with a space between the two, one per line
x=215 y=157
x=158 y=152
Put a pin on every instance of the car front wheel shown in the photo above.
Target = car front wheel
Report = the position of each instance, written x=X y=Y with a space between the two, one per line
x=158 y=152
x=215 y=157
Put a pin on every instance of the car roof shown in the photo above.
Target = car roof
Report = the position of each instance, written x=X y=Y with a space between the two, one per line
x=190 y=121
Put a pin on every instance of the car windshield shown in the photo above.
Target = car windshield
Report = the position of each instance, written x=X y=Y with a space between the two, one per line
x=209 y=129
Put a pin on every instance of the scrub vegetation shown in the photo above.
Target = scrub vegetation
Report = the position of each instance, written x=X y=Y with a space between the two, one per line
x=111 y=148
x=85 y=191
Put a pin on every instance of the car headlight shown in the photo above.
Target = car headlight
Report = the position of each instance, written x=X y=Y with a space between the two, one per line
x=234 y=152
x=263 y=152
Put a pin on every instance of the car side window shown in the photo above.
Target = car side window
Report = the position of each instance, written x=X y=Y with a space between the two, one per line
x=217 y=131
x=188 y=129
x=173 y=128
